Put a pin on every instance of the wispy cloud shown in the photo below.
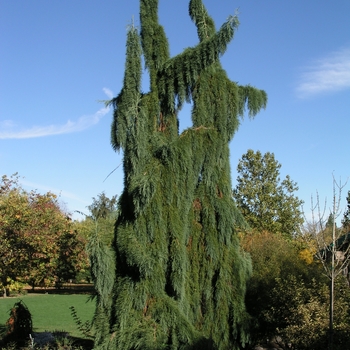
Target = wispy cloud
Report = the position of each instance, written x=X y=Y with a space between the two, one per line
x=108 y=92
x=328 y=74
x=9 y=130
x=60 y=193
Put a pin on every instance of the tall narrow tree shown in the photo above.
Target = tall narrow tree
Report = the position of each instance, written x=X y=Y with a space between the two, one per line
x=180 y=274
x=346 y=218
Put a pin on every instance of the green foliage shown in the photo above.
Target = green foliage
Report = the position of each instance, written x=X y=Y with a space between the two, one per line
x=12 y=286
x=102 y=266
x=83 y=327
x=19 y=325
x=274 y=258
x=71 y=258
x=346 y=218
x=300 y=313
x=266 y=202
x=103 y=226
x=37 y=243
x=102 y=206
x=51 y=312
x=98 y=230
x=288 y=294
x=178 y=276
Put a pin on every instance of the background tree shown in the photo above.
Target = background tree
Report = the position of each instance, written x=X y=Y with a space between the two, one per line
x=13 y=203
x=102 y=206
x=102 y=213
x=33 y=231
x=43 y=228
x=266 y=202
x=276 y=260
x=333 y=246
x=180 y=275
x=346 y=218
x=72 y=260
x=299 y=310
x=288 y=294
x=97 y=229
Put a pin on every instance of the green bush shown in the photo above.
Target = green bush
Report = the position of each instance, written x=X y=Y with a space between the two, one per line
x=288 y=295
x=299 y=313
x=19 y=326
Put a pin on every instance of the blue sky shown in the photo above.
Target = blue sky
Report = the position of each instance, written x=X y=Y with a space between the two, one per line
x=59 y=59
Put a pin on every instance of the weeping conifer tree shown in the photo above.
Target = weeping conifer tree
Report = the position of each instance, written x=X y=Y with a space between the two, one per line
x=179 y=273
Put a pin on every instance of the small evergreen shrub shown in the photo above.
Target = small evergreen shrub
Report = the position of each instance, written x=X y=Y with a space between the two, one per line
x=19 y=325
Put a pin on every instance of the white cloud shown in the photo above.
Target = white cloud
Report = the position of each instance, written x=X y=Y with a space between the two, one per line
x=4 y=124
x=60 y=193
x=108 y=92
x=328 y=74
x=74 y=200
x=8 y=129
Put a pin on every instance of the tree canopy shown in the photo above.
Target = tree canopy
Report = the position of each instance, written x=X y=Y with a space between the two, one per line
x=179 y=273
x=100 y=219
x=102 y=206
x=38 y=245
x=346 y=218
x=266 y=202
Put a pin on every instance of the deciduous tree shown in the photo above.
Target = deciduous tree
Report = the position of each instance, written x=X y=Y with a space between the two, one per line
x=13 y=206
x=102 y=206
x=333 y=246
x=72 y=258
x=33 y=237
x=275 y=259
x=100 y=219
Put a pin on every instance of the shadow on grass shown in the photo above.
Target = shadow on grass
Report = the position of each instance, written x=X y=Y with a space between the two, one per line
x=65 y=289
x=83 y=343
x=76 y=342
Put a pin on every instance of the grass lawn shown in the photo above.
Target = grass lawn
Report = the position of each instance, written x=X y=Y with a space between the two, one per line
x=50 y=312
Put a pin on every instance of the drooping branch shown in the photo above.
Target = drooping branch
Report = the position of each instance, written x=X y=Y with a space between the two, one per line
x=204 y=23
x=252 y=98
x=126 y=104
x=178 y=76
x=154 y=42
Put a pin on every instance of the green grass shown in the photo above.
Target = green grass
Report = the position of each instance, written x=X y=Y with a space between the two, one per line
x=50 y=312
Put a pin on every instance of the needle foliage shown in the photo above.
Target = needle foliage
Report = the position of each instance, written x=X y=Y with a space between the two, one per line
x=179 y=273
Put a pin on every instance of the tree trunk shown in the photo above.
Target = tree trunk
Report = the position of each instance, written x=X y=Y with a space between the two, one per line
x=331 y=288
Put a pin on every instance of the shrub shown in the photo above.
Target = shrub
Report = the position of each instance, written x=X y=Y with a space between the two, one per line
x=19 y=325
x=299 y=313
